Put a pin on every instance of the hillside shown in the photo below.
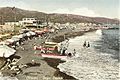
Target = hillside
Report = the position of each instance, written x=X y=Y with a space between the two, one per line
x=9 y=13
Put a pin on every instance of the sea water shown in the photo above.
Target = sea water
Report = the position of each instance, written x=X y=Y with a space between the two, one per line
x=97 y=62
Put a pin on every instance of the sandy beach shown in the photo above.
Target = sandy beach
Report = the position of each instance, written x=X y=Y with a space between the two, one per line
x=42 y=72
x=46 y=69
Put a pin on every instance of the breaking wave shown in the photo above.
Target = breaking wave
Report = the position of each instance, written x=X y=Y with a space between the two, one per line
x=90 y=63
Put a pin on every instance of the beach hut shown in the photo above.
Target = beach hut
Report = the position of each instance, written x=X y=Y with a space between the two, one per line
x=6 y=51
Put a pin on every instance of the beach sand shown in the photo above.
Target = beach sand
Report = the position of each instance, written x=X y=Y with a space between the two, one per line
x=46 y=68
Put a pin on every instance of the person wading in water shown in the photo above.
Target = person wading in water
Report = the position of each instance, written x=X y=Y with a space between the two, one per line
x=88 y=45
x=84 y=45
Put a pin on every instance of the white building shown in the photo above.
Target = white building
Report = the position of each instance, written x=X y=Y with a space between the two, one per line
x=12 y=23
x=25 y=22
x=29 y=21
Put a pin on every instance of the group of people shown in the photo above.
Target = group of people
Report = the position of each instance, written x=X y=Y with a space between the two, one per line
x=63 y=51
x=86 y=44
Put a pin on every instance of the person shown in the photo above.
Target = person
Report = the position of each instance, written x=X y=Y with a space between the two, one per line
x=88 y=44
x=69 y=54
x=84 y=45
x=61 y=46
x=33 y=62
x=64 y=49
x=9 y=61
x=14 y=47
x=74 y=52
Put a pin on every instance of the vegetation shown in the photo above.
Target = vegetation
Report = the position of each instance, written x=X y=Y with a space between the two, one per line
x=9 y=14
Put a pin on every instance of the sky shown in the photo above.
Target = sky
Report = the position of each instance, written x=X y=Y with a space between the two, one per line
x=92 y=8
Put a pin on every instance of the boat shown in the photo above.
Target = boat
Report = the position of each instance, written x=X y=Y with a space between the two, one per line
x=43 y=48
x=47 y=46
x=55 y=56
x=51 y=46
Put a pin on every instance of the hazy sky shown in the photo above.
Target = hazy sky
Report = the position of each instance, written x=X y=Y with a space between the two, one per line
x=107 y=8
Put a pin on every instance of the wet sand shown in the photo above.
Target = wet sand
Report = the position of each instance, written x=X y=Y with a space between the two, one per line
x=54 y=63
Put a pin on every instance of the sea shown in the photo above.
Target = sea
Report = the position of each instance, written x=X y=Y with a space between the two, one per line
x=100 y=61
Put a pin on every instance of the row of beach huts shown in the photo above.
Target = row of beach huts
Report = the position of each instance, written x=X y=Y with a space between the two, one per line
x=8 y=46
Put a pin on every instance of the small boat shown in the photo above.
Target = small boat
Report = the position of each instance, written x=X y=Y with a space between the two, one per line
x=55 y=56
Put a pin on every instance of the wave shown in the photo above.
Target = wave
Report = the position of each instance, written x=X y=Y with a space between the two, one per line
x=99 y=32
x=89 y=64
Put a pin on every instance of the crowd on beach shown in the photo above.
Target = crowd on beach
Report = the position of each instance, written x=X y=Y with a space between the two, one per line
x=17 y=41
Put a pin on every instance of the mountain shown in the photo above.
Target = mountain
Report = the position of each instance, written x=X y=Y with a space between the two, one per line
x=9 y=13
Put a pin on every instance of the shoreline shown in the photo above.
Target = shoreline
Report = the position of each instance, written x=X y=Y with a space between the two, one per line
x=60 y=38
x=54 y=63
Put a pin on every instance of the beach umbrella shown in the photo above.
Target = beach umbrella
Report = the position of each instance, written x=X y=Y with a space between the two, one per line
x=32 y=33
x=6 y=51
x=28 y=34
x=23 y=35
x=20 y=36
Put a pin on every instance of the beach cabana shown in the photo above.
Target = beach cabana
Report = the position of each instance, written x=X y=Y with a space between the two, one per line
x=6 y=51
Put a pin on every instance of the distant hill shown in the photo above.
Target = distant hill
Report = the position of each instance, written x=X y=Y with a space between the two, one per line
x=9 y=13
